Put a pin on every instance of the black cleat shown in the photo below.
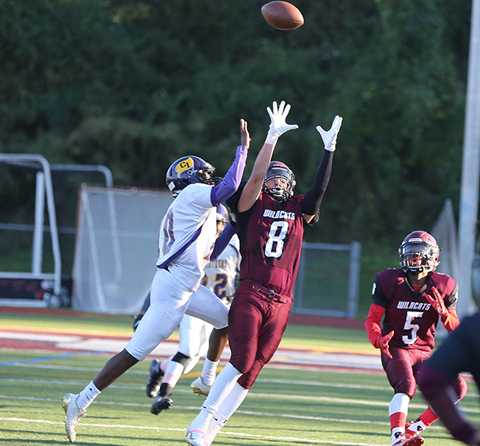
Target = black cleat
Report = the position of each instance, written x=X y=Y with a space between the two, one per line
x=154 y=380
x=161 y=403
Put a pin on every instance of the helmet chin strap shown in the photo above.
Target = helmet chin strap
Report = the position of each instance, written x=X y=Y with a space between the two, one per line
x=416 y=271
x=420 y=269
x=278 y=194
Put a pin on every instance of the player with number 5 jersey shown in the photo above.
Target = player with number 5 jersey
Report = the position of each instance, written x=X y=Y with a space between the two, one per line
x=270 y=223
x=411 y=300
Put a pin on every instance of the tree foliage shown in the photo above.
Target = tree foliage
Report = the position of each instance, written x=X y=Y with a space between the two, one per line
x=134 y=85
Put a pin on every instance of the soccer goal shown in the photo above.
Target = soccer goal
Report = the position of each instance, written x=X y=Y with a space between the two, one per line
x=37 y=228
x=116 y=247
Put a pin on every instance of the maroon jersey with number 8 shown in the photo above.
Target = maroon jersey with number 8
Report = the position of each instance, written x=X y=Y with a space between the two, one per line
x=409 y=313
x=271 y=243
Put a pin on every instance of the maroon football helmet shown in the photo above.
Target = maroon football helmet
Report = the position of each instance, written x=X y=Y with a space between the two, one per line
x=419 y=252
x=277 y=169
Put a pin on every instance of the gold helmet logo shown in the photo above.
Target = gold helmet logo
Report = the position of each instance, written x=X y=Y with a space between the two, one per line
x=184 y=165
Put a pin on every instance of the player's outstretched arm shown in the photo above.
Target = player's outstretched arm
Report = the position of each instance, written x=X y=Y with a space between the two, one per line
x=223 y=240
x=330 y=137
x=244 y=134
x=233 y=177
x=314 y=196
x=278 y=126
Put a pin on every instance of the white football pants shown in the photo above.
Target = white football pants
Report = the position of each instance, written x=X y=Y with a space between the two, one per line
x=170 y=300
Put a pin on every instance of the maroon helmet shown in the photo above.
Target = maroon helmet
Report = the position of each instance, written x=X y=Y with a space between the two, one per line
x=419 y=252
x=276 y=169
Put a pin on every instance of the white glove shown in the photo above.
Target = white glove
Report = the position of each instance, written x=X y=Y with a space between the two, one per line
x=330 y=137
x=278 y=125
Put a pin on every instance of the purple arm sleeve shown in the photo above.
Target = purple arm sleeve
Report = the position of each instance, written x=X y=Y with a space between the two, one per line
x=232 y=179
x=222 y=241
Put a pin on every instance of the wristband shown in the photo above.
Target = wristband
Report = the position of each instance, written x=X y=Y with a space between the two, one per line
x=271 y=139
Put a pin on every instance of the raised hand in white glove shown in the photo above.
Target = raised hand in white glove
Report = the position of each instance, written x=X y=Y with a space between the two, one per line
x=330 y=137
x=278 y=124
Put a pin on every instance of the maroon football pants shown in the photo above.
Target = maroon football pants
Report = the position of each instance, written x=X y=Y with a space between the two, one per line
x=256 y=322
x=402 y=371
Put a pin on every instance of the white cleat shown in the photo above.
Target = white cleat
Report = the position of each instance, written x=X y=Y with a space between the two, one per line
x=412 y=441
x=199 y=388
x=73 y=413
x=196 y=438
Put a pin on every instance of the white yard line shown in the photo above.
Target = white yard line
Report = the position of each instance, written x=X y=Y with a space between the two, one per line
x=234 y=434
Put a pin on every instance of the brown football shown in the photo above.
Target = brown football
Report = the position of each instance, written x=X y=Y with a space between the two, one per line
x=282 y=15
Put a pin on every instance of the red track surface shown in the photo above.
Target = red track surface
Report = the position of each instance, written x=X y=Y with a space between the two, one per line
x=294 y=318
x=47 y=345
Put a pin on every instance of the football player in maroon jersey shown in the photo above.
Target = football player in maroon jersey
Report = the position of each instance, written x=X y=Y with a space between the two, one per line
x=412 y=299
x=460 y=352
x=270 y=223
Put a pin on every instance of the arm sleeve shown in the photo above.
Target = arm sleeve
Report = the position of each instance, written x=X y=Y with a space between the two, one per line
x=222 y=241
x=372 y=324
x=313 y=198
x=232 y=178
x=450 y=321
x=233 y=200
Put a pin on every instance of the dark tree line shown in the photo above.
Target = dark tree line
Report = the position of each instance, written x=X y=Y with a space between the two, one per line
x=133 y=85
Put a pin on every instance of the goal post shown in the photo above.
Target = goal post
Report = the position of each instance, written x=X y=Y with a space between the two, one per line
x=44 y=188
x=116 y=247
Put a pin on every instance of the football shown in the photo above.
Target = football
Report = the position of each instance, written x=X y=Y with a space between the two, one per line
x=282 y=15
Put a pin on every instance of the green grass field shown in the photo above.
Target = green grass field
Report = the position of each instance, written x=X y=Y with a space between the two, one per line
x=285 y=407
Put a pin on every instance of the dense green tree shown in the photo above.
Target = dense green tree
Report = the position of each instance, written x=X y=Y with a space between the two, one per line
x=134 y=85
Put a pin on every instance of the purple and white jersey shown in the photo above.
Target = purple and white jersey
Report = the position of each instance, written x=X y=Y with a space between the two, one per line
x=187 y=235
x=220 y=274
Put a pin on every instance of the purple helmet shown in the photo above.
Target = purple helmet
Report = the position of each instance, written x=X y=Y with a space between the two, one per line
x=222 y=213
x=276 y=169
x=189 y=170
x=419 y=252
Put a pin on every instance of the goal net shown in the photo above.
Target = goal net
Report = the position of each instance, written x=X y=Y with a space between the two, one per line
x=116 y=247
x=445 y=233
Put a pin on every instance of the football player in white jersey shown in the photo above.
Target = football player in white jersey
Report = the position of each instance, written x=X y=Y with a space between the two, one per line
x=187 y=242
x=220 y=277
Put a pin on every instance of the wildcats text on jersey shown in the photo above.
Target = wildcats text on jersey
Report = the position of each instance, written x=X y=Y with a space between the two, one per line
x=406 y=305
x=279 y=214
